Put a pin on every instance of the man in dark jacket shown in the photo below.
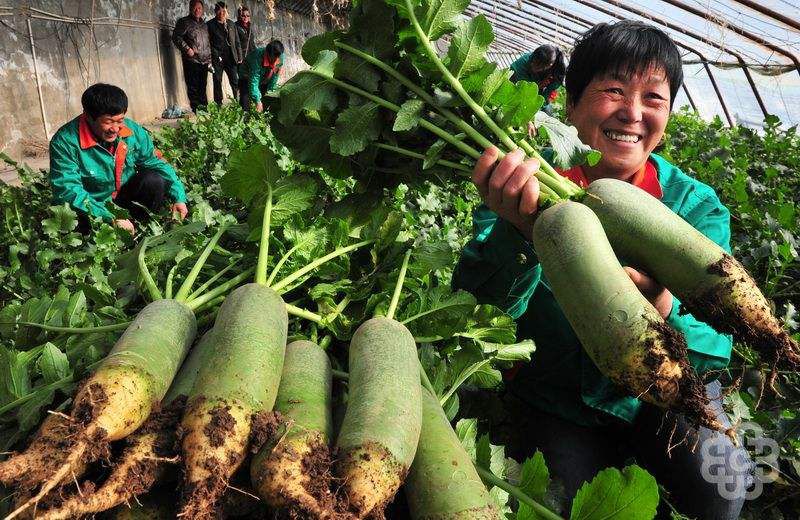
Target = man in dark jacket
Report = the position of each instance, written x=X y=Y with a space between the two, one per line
x=191 y=38
x=226 y=53
x=247 y=43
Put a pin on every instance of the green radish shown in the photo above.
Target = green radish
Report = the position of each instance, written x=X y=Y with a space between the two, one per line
x=710 y=283
x=113 y=402
x=619 y=329
x=443 y=483
x=120 y=395
x=293 y=471
x=230 y=404
x=235 y=388
x=381 y=427
x=142 y=463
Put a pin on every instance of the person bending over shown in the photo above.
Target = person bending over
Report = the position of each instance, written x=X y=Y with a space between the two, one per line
x=545 y=67
x=101 y=156
x=264 y=66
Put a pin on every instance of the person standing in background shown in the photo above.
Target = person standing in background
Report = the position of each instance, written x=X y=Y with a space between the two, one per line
x=247 y=43
x=226 y=53
x=545 y=66
x=191 y=38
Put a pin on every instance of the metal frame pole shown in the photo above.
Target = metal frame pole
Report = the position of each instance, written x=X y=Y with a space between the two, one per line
x=38 y=82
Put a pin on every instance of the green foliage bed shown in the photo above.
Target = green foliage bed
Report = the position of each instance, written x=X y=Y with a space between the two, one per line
x=52 y=275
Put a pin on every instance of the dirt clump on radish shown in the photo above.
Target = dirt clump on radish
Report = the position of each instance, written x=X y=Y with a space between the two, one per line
x=384 y=472
x=86 y=411
x=221 y=425
x=751 y=321
x=265 y=427
x=686 y=390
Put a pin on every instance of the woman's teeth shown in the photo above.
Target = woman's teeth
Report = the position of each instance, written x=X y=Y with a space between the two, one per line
x=617 y=136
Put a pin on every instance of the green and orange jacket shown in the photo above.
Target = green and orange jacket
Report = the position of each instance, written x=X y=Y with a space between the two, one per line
x=499 y=266
x=548 y=86
x=261 y=69
x=86 y=175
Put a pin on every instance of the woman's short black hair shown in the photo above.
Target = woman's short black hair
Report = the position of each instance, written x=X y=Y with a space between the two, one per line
x=102 y=99
x=626 y=48
x=274 y=48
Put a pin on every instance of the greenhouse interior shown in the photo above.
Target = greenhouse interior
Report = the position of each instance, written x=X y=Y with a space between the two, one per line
x=400 y=259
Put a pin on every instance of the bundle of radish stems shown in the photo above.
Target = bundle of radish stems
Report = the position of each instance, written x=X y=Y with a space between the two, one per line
x=244 y=392
x=579 y=234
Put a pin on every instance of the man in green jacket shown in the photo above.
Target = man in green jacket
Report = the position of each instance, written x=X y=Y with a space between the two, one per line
x=264 y=66
x=102 y=156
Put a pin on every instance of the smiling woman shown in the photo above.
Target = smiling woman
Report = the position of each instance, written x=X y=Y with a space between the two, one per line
x=620 y=102
x=621 y=83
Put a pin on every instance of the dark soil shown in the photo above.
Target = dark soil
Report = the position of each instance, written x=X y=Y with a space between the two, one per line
x=87 y=409
x=222 y=424
x=687 y=393
x=265 y=426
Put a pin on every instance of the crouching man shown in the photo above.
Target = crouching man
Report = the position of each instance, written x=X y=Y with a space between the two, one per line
x=102 y=156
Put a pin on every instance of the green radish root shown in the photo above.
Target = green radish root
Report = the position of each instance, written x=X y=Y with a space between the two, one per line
x=443 y=483
x=111 y=403
x=293 y=471
x=619 y=329
x=381 y=427
x=710 y=283
x=232 y=398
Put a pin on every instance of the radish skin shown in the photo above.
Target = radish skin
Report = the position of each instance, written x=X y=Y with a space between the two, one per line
x=236 y=386
x=443 y=483
x=710 y=283
x=619 y=329
x=381 y=427
x=293 y=471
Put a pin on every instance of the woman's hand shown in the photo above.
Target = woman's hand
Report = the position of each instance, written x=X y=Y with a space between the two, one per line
x=180 y=209
x=510 y=188
x=125 y=224
x=655 y=293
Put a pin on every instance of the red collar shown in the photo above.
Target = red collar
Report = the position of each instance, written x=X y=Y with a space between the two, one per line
x=646 y=178
x=270 y=63
x=86 y=137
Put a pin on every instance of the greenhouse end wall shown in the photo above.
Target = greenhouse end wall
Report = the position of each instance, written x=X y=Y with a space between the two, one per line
x=138 y=57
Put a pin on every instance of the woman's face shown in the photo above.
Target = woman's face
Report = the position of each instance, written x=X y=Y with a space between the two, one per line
x=624 y=118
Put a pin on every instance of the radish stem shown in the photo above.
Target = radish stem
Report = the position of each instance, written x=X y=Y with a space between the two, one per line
x=263 y=251
x=492 y=479
x=186 y=286
x=318 y=262
x=149 y=283
x=398 y=288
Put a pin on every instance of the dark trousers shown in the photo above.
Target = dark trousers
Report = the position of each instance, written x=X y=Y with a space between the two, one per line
x=693 y=465
x=244 y=92
x=196 y=77
x=229 y=68
x=143 y=194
